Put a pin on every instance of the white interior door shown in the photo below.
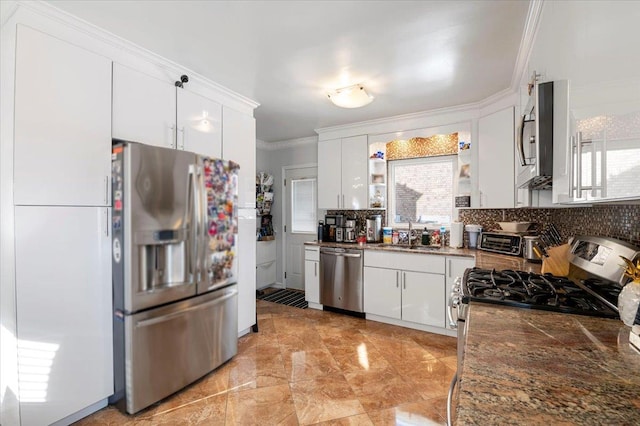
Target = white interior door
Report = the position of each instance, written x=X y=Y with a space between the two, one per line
x=301 y=190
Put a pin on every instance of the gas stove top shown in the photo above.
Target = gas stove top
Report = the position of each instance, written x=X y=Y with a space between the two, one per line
x=593 y=297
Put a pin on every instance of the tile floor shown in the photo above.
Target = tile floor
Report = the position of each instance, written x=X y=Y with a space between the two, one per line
x=312 y=367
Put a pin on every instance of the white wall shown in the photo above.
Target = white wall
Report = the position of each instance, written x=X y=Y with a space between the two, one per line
x=287 y=153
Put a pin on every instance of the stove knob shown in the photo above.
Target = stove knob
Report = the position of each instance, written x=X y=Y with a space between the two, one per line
x=455 y=300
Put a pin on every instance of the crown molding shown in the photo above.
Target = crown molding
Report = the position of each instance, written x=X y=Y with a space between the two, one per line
x=526 y=43
x=50 y=11
x=7 y=10
x=289 y=143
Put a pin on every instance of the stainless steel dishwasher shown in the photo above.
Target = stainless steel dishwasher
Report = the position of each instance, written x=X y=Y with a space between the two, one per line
x=341 y=278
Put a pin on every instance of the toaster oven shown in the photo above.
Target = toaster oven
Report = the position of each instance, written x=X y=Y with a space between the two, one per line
x=501 y=242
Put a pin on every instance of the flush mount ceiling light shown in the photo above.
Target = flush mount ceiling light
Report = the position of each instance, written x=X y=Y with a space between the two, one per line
x=350 y=97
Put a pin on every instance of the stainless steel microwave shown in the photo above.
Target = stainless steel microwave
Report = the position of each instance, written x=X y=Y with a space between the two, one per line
x=534 y=142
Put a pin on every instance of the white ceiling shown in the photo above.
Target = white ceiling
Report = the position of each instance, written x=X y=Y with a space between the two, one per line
x=411 y=55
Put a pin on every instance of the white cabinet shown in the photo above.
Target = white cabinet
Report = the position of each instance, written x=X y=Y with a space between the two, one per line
x=62 y=123
x=246 y=249
x=239 y=145
x=407 y=287
x=312 y=276
x=342 y=173
x=153 y=111
x=64 y=310
x=144 y=108
x=496 y=180
x=199 y=124
x=265 y=263
x=597 y=144
x=330 y=174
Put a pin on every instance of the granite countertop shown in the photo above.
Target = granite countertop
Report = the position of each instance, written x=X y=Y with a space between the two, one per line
x=526 y=366
x=484 y=259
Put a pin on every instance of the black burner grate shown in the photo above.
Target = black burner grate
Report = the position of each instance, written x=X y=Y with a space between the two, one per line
x=538 y=291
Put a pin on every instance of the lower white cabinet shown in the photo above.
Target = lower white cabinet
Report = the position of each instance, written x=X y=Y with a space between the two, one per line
x=312 y=275
x=64 y=310
x=398 y=286
x=405 y=295
x=265 y=263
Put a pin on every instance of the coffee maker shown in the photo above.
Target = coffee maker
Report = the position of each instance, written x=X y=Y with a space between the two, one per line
x=374 y=229
x=333 y=228
x=349 y=234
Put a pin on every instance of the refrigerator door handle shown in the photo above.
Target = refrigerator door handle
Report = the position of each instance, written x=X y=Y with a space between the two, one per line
x=167 y=317
x=204 y=229
x=194 y=204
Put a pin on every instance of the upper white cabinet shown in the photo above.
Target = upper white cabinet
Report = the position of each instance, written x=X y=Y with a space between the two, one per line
x=64 y=310
x=496 y=178
x=153 y=111
x=343 y=173
x=239 y=145
x=62 y=123
x=597 y=144
x=144 y=108
x=199 y=124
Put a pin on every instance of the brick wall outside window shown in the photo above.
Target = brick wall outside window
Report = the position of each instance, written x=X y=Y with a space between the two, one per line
x=423 y=191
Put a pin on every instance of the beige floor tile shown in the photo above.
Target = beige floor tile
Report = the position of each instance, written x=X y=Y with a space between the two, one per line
x=417 y=413
x=325 y=398
x=263 y=406
x=378 y=389
x=263 y=368
x=432 y=378
x=358 y=420
x=306 y=365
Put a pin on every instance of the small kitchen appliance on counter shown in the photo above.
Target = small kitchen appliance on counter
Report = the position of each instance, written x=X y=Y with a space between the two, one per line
x=501 y=242
x=331 y=225
x=374 y=228
x=349 y=233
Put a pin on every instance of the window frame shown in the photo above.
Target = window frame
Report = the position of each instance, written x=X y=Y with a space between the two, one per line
x=391 y=201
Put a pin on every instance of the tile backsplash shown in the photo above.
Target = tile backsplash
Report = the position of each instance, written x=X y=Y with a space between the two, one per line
x=616 y=221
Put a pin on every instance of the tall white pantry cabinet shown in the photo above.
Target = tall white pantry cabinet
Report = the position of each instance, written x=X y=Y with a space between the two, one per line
x=60 y=111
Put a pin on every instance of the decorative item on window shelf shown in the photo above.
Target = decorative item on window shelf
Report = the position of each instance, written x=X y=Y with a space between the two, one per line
x=629 y=297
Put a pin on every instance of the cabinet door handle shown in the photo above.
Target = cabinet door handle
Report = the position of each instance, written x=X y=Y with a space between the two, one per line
x=182 y=138
x=106 y=190
x=172 y=136
x=397 y=279
x=449 y=268
x=343 y=201
x=338 y=200
x=315 y=269
x=105 y=213
x=579 y=164
x=572 y=178
x=404 y=280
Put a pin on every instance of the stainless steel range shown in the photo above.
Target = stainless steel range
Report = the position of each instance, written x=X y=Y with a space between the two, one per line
x=596 y=278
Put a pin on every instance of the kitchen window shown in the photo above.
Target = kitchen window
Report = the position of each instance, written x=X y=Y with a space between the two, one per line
x=303 y=205
x=421 y=191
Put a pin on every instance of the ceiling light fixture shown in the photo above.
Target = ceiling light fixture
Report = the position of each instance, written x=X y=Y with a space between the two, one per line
x=350 y=97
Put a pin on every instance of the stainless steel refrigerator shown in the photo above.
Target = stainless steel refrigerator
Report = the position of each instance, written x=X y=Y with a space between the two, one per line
x=174 y=262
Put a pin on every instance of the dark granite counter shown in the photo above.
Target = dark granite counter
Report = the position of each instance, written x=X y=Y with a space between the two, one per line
x=484 y=259
x=533 y=367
